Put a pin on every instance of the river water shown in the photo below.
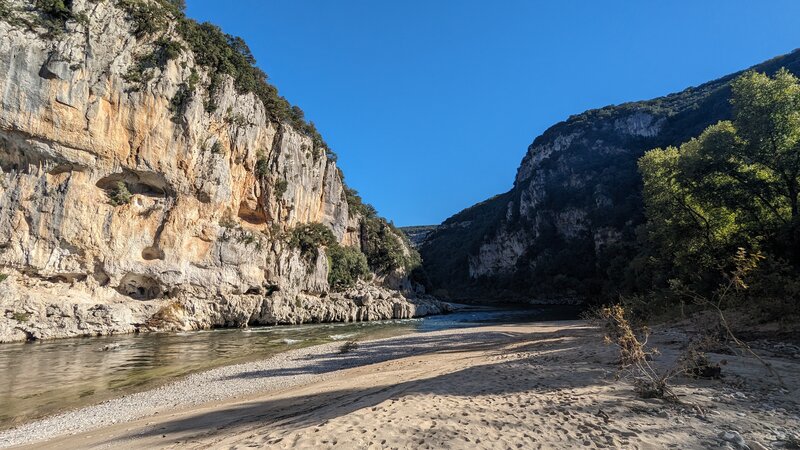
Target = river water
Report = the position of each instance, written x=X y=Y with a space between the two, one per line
x=45 y=377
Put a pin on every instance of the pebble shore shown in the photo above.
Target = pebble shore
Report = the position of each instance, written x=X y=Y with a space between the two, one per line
x=285 y=370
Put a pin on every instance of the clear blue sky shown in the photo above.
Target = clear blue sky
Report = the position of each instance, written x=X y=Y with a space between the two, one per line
x=431 y=104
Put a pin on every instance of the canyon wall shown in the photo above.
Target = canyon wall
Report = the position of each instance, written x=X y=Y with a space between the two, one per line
x=122 y=209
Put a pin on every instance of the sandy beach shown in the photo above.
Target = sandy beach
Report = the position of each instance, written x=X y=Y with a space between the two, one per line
x=546 y=385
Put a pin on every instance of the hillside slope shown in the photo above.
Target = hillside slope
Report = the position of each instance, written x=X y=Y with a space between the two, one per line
x=565 y=230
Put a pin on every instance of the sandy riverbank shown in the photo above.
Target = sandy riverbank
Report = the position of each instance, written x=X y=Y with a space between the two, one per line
x=527 y=386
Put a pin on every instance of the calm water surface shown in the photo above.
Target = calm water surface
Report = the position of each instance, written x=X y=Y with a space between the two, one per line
x=41 y=378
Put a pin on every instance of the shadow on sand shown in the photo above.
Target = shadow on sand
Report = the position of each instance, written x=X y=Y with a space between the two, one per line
x=522 y=374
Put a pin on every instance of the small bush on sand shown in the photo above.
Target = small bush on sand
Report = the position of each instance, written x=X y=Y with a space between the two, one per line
x=745 y=264
x=635 y=356
x=695 y=363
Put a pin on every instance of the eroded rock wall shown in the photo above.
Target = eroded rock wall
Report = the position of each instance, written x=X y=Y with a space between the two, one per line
x=212 y=193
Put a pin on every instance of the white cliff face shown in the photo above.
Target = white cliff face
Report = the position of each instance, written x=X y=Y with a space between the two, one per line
x=498 y=255
x=640 y=124
x=538 y=153
x=212 y=193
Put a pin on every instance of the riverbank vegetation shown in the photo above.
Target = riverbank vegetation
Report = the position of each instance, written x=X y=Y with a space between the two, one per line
x=726 y=198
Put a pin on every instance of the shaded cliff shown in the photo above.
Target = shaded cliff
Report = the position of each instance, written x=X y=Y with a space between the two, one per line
x=566 y=230
x=152 y=179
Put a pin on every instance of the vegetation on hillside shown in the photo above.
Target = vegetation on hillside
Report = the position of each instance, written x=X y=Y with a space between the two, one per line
x=221 y=53
x=386 y=247
x=224 y=54
x=119 y=194
x=47 y=17
x=383 y=247
x=344 y=267
x=445 y=253
x=416 y=234
x=164 y=24
x=310 y=237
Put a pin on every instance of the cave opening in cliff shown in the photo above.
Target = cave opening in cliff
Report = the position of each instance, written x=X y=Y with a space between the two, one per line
x=253 y=216
x=150 y=184
x=140 y=287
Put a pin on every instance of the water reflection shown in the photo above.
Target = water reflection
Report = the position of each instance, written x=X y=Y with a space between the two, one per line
x=41 y=378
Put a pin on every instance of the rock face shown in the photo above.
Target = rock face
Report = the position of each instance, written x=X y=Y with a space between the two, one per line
x=565 y=229
x=418 y=234
x=118 y=213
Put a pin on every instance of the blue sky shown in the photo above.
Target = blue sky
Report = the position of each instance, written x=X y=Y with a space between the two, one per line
x=431 y=104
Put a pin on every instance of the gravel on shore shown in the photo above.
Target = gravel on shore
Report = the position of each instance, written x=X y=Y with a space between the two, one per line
x=285 y=370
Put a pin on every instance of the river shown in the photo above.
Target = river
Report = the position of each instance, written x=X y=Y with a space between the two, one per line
x=45 y=377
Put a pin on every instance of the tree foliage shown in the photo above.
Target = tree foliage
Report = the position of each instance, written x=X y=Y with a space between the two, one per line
x=119 y=195
x=386 y=247
x=310 y=237
x=735 y=186
x=766 y=156
x=346 y=266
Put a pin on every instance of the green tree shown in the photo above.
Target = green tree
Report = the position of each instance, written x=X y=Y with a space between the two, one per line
x=346 y=266
x=310 y=237
x=736 y=185
x=386 y=247
x=767 y=120
x=682 y=226
x=180 y=5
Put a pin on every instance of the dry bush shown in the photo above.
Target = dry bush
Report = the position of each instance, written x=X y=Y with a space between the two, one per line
x=635 y=356
x=694 y=362
x=745 y=264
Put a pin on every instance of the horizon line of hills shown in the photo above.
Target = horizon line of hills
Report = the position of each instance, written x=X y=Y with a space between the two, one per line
x=569 y=223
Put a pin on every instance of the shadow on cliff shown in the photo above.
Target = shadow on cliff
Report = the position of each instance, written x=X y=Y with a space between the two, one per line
x=522 y=367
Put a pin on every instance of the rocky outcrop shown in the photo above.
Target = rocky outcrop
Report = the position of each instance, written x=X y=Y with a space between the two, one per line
x=56 y=310
x=118 y=207
x=417 y=234
x=567 y=226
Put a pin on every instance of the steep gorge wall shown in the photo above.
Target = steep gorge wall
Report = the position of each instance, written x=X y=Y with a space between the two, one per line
x=201 y=241
x=567 y=228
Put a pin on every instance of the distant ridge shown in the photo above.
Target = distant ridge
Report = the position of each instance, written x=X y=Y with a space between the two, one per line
x=568 y=224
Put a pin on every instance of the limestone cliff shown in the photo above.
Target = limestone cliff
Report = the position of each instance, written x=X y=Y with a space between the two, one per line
x=418 y=234
x=127 y=203
x=567 y=227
